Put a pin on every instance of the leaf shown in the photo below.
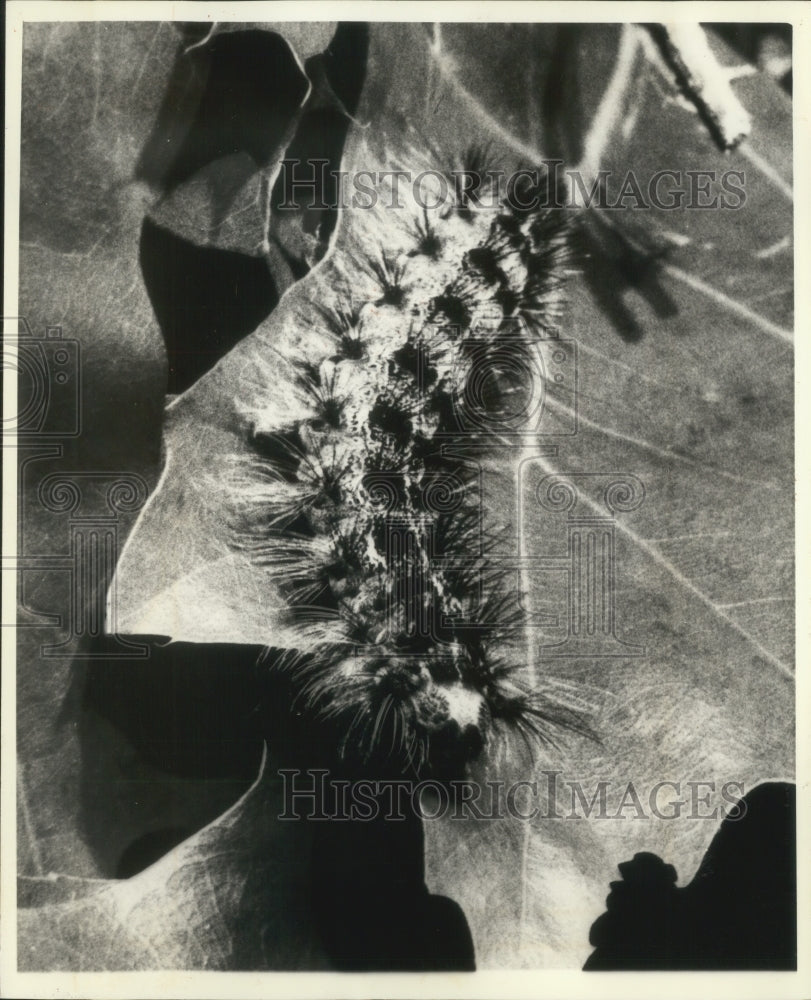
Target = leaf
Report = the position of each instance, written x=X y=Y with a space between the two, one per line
x=80 y=218
x=94 y=96
x=190 y=909
x=682 y=383
x=697 y=405
x=225 y=239
x=253 y=893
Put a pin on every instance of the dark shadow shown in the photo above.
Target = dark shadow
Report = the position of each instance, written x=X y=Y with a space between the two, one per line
x=614 y=264
x=749 y=39
x=738 y=913
x=338 y=75
x=369 y=899
x=191 y=719
x=205 y=299
x=167 y=744
x=371 y=904
x=248 y=88
x=561 y=98
x=190 y=709
x=149 y=848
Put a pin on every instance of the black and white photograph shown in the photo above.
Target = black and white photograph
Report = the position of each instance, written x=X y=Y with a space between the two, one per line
x=403 y=500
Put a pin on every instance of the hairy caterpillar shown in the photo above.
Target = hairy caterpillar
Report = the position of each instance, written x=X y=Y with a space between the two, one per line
x=362 y=505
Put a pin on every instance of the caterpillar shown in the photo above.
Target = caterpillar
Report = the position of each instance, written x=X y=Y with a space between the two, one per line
x=363 y=505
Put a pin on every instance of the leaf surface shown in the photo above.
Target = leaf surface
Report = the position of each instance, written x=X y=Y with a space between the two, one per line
x=682 y=321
